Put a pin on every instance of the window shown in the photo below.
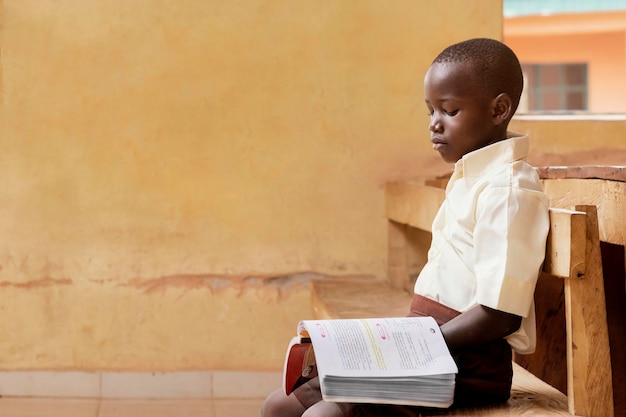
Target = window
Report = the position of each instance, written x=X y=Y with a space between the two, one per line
x=554 y=87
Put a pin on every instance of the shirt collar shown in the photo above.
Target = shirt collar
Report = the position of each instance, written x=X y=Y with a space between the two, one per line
x=474 y=164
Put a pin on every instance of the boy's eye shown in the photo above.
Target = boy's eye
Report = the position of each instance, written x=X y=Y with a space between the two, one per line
x=451 y=113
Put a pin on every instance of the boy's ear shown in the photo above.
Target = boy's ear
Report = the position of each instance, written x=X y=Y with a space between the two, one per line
x=502 y=108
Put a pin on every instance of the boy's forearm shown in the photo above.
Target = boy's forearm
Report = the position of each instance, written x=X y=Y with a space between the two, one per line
x=477 y=326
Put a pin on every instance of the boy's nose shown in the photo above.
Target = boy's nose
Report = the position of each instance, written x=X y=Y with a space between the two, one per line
x=435 y=125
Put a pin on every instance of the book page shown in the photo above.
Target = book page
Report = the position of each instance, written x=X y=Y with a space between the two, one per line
x=402 y=346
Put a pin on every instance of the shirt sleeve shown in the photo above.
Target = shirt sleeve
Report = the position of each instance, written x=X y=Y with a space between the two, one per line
x=510 y=242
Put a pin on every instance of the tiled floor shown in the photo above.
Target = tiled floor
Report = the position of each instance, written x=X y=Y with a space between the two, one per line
x=46 y=407
x=128 y=394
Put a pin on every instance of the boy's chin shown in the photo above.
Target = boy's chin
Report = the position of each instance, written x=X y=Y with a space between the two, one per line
x=447 y=158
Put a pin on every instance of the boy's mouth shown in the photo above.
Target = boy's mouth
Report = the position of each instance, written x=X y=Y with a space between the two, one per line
x=437 y=143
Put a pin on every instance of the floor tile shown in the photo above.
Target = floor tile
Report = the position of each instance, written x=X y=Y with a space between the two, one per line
x=245 y=384
x=49 y=384
x=156 y=408
x=237 y=407
x=65 y=407
x=168 y=385
x=42 y=407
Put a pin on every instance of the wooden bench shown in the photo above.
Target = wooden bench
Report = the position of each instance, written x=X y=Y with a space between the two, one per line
x=573 y=254
x=605 y=188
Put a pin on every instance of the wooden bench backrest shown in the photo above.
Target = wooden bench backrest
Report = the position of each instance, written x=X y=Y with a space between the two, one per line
x=603 y=187
x=572 y=253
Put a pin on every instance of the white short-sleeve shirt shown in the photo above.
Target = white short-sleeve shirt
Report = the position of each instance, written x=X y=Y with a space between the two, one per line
x=489 y=237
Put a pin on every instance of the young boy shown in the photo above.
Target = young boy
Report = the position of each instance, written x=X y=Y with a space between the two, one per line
x=489 y=235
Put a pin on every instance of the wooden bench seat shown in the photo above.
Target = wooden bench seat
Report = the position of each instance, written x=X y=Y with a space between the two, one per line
x=572 y=254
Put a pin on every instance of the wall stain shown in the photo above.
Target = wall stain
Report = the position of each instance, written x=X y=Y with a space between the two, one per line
x=282 y=283
x=40 y=283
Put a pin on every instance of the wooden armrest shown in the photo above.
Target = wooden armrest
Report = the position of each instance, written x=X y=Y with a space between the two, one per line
x=413 y=204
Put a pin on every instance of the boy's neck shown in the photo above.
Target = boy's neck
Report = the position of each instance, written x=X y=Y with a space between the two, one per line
x=500 y=133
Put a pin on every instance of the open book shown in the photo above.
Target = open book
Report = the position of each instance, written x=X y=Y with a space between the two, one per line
x=388 y=360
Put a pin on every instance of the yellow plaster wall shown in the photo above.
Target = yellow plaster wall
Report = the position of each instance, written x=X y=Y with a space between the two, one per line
x=172 y=169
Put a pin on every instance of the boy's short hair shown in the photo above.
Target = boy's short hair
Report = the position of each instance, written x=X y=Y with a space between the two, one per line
x=495 y=66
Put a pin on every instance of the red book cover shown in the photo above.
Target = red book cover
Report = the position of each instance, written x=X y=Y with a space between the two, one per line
x=299 y=364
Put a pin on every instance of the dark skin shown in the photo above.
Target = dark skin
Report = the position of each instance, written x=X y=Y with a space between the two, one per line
x=465 y=117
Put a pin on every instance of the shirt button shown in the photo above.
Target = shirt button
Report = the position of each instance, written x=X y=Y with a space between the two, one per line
x=435 y=253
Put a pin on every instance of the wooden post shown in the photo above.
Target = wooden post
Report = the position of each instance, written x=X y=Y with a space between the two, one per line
x=590 y=390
